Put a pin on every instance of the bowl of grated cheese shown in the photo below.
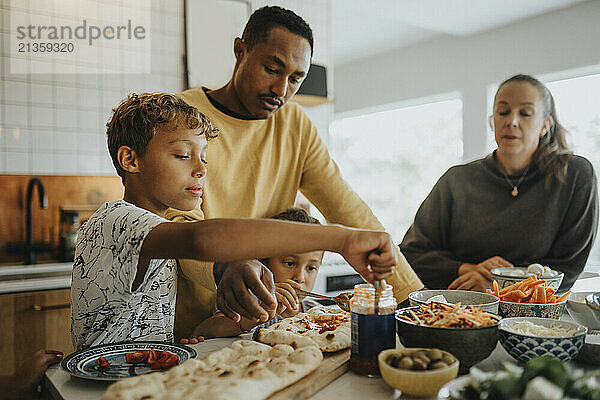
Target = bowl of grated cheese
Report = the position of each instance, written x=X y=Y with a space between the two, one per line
x=525 y=338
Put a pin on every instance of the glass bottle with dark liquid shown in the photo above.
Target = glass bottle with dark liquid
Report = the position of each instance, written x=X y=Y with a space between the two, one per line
x=373 y=326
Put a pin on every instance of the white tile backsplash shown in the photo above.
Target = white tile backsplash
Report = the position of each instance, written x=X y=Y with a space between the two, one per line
x=68 y=96
x=89 y=121
x=64 y=115
x=66 y=118
x=42 y=163
x=42 y=117
x=17 y=139
x=16 y=116
x=106 y=165
x=90 y=143
x=66 y=164
x=42 y=141
x=66 y=143
x=15 y=92
x=42 y=94
x=17 y=162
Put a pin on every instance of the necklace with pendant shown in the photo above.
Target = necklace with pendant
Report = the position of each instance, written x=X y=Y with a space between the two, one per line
x=515 y=187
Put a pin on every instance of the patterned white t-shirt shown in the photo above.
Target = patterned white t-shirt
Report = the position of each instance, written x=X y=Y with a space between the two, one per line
x=104 y=309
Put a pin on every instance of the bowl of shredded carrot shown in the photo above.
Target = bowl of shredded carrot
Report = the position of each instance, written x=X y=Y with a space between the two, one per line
x=468 y=332
x=531 y=297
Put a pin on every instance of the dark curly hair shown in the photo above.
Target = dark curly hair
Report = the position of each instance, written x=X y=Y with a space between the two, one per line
x=265 y=18
x=297 y=215
x=134 y=122
x=553 y=154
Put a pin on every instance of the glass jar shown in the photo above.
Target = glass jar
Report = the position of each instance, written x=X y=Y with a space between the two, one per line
x=68 y=236
x=373 y=326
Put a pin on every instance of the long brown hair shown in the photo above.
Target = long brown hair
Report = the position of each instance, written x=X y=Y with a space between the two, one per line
x=553 y=153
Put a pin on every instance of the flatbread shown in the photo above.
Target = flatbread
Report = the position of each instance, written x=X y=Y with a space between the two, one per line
x=243 y=370
x=325 y=327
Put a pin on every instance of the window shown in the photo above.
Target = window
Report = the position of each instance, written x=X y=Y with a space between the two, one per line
x=577 y=102
x=393 y=158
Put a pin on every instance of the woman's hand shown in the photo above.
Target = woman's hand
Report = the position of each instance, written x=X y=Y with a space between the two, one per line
x=287 y=299
x=485 y=267
x=472 y=280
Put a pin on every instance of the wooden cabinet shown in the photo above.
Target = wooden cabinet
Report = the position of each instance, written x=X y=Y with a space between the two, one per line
x=31 y=321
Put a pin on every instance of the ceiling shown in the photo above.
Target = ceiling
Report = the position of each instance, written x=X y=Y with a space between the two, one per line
x=362 y=28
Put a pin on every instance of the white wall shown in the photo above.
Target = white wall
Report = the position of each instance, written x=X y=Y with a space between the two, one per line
x=563 y=40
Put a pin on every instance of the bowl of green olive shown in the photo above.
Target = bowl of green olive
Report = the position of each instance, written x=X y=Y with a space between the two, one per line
x=417 y=372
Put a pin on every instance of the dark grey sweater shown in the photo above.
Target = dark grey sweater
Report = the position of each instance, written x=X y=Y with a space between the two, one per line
x=470 y=216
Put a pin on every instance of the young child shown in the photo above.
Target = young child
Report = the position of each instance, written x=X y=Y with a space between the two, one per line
x=289 y=272
x=123 y=286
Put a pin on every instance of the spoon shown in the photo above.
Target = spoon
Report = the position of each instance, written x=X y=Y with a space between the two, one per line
x=342 y=299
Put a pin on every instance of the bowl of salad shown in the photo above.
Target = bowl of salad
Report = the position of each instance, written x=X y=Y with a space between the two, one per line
x=468 y=332
x=542 y=378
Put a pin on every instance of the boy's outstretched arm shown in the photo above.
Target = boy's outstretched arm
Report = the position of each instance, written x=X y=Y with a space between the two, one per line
x=240 y=239
x=371 y=253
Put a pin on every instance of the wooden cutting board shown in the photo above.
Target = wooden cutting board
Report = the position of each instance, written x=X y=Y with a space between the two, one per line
x=332 y=366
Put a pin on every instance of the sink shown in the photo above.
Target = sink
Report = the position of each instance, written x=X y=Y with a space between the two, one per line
x=35 y=271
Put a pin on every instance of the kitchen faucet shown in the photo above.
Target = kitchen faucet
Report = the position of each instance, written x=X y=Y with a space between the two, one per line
x=30 y=248
x=30 y=254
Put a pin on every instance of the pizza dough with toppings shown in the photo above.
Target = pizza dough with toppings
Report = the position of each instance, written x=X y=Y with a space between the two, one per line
x=325 y=327
x=245 y=369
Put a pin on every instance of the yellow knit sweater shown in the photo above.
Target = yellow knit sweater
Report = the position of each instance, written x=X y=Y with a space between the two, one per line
x=255 y=168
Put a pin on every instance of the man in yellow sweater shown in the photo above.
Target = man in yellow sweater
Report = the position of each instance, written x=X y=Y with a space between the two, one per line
x=267 y=151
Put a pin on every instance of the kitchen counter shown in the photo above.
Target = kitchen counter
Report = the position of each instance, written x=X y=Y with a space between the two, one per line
x=36 y=277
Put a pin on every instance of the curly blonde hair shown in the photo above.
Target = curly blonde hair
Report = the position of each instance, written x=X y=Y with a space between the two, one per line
x=135 y=121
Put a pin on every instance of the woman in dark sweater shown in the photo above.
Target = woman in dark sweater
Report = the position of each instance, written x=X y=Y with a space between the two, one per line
x=530 y=201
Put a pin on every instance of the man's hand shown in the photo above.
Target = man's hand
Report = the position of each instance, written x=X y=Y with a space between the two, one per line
x=242 y=283
x=372 y=254
x=472 y=280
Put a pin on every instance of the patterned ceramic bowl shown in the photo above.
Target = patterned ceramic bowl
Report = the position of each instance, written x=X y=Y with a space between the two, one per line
x=504 y=278
x=523 y=347
x=487 y=302
x=509 y=309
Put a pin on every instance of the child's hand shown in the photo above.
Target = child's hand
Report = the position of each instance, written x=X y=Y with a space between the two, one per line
x=287 y=299
x=372 y=254
x=29 y=374
x=192 y=340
